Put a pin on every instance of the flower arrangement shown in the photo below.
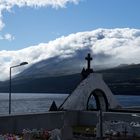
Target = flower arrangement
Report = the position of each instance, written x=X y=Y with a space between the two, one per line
x=28 y=134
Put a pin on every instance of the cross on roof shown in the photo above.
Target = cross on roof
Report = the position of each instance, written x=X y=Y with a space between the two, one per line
x=88 y=70
x=88 y=58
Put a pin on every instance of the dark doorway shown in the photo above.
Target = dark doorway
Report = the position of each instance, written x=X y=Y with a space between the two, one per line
x=97 y=101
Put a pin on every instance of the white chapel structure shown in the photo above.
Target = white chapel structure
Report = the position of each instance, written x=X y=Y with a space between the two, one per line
x=91 y=94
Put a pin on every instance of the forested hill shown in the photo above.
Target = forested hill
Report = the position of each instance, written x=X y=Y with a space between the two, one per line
x=124 y=79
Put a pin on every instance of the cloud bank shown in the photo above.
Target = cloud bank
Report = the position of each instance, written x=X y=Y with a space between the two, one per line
x=7 y=5
x=8 y=37
x=109 y=47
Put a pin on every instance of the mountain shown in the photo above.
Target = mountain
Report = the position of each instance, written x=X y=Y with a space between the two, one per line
x=53 y=67
x=124 y=80
x=65 y=55
x=60 y=84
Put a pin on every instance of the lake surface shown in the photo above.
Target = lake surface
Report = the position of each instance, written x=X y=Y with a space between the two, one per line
x=35 y=103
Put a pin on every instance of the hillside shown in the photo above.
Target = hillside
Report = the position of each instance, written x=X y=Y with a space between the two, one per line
x=122 y=80
x=61 y=84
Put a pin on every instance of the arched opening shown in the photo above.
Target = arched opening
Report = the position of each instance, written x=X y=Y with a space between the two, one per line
x=97 y=101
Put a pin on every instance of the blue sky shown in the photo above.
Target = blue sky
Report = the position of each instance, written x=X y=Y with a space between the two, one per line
x=31 y=26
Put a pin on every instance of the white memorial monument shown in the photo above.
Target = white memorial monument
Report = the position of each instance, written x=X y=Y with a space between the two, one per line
x=93 y=86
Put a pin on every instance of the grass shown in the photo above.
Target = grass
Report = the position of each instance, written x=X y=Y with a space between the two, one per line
x=84 y=130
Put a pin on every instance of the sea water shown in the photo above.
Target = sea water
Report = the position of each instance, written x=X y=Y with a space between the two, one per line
x=36 y=103
x=28 y=102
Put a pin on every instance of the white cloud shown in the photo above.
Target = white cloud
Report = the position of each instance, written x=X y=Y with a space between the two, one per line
x=7 y=5
x=109 y=47
x=1 y=24
x=8 y=37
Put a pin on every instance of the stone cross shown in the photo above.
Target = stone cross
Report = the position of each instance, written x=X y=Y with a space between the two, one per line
x=88 y=58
